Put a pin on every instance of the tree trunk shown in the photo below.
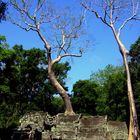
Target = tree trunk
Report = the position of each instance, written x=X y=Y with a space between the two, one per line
x=60 y=89
x=133 y=122
x=52 y=78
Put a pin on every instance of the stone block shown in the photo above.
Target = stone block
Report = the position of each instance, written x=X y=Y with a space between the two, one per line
x=61 y=118
x=76 y=127
x=93 y=120
x=118 y=130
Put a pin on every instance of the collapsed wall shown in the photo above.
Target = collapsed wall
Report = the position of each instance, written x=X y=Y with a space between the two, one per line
x=75 y=127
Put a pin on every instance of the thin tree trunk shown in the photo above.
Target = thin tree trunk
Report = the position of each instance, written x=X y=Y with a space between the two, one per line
x=60 y=89
x=52 y=78
x=133 y=123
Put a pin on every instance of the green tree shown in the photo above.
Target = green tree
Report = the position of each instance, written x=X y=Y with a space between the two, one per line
x=103 y=94
x=84 y=97
x=135 y=70
x=35 y=89
x=135 y=64
x=57 y=105
x=8 y=110
x=24 y=84
x=111 y=92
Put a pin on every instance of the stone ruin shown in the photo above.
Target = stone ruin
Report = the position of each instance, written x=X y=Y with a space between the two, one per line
x=42 y=126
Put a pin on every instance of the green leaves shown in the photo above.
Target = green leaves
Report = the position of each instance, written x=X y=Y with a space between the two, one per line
x=112 y=99
x=4 y=89
x=84 y=97
x=135 y=73
x=104 y=94
x=2 y=39
x=24 y=84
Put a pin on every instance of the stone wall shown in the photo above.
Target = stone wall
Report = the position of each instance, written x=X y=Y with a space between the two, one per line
x=79 y=127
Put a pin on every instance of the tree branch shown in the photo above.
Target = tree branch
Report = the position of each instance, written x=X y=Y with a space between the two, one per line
x=41 y=21
x=65 y=55
x=24 y=28
x=96 y=14
x=136 y=18
x=22 y=10
x=38 y=7
x=124 y=23
x=48 y=47
x=62 y=45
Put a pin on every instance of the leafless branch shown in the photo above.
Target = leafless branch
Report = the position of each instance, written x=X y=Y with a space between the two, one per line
x=114 y=21
x=62 y=45
x=125 y=22
x=135 y=6
x=68 y=44
x=136 y=18
x=105 y=13
x=96 y=14
x=22 y=10
x=38 y=7
x=28 y=28
x=57 y=41
x=74 y=55
x=80 y=22
x=41 y=21
x=33 y=20
x=48 y=47
x=65 y=55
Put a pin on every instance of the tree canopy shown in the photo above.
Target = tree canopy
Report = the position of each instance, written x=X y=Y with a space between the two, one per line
x=103 y=94
x=135 y=71
x=24 y=84
x=84 y=97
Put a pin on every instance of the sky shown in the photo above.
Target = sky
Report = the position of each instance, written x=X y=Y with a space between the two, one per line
x=102 y=52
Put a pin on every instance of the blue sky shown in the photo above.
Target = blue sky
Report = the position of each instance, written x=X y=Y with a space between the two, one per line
x=104 y=50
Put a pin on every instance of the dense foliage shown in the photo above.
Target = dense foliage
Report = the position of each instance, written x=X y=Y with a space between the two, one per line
x=84 y=97
x=112 y=94
x=106 y=90
x=24 y=84
x=135 y=73
x=104 y=94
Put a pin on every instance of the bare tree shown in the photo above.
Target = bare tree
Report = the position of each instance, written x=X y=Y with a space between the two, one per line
x=58 y=32
x=3 y=8
x=116 y=14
